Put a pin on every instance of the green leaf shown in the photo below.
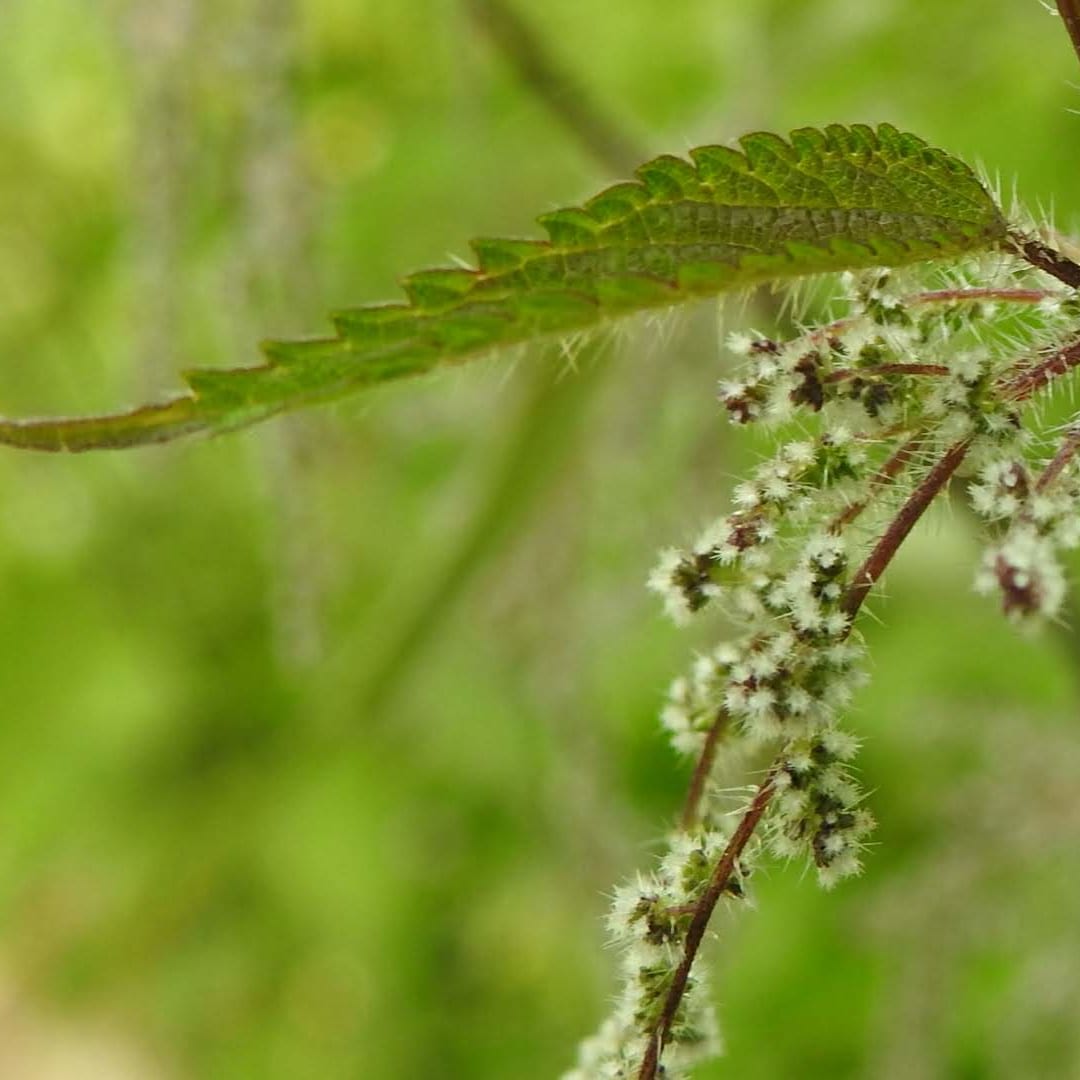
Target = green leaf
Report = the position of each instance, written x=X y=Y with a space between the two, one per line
x=841 y=198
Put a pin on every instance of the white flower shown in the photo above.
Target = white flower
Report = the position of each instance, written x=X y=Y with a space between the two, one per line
x=714 y=536
x=799 y=453
x=740 y=344
x=839 y=743
x=798 y=701
x=746 y=496
x=843 y=866
x=776 y=488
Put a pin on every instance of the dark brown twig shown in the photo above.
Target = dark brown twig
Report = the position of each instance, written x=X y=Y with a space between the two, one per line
x=1029 y=379
x=1066 y=452
x=554 y=86
x=1069 y=10
x=1045 y=258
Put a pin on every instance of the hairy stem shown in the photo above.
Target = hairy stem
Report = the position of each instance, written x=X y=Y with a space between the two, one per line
x=887 y=369
x=1066 y=452
x=1018 y=387
x=933 y=297
x=692 y=806
x=1045 y=258
x=703 y=910
x=1069 y=10
x=1024 y=379
x=1032 y=378
x=899 y=528
x=953 y=296
x=885 y=475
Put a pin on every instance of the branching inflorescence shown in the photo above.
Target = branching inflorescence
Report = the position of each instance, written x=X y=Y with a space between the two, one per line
x=924 y=376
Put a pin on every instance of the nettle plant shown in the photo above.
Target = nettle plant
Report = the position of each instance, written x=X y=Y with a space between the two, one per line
x=950 y=318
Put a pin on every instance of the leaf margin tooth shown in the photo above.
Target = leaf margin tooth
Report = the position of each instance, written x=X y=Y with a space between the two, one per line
x=523 y=288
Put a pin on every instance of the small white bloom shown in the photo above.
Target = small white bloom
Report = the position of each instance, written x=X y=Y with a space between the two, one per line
x=746 y=496
x=740 y=344
x=843 y=866
x=784 y=846
x=839 y=743
x=735 y=699
x=968 y=365
x=800 y=761
x=776 y=489
x=675 y=719
x=791 y=804
x=799 y=453
x=756 y=559
x=762 y=665
x=835 y=843
x=714 y=536
x=798 y=701
x=688 y=743
x=759 y=702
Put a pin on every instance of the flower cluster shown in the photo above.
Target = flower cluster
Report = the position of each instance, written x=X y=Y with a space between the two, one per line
x=817 y=811
x=739 y=551
x=648 y=922
x=917 y=379
x=1042 y=519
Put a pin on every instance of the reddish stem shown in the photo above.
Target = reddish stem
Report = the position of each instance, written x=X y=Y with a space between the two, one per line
x=871 y=570
x=1045 y=258
x=703 y=910
x=899 y=528
x=1026 y=382
x=1012 y=296
x=887 y=369
x=885 y=475
x=1061 y=459
x=702 y=769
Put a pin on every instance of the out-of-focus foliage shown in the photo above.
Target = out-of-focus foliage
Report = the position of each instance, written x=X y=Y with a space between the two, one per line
x=322 y=743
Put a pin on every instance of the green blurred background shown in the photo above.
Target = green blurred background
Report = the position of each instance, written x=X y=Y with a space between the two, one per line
x=323 y=743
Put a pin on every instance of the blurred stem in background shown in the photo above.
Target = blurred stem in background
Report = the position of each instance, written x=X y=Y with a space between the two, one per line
x=162 y=40
x=275 y=282
x=560 y=91
x=545 y=435
x=549 y=430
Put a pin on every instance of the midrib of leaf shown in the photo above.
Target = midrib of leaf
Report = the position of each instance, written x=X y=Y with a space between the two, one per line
x=841 y=198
